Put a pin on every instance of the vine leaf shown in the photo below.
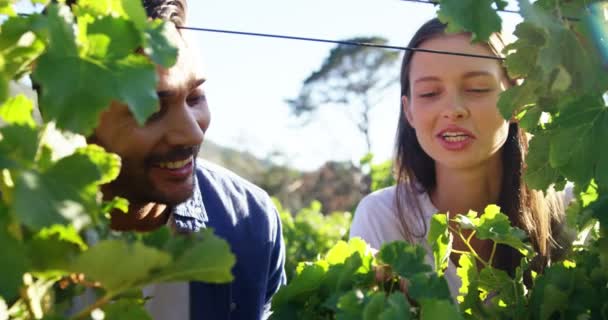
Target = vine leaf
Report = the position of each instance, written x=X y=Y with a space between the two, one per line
x=496 y=226
x=18 y=110
x=438 y=309
x=405 y=259
x=126 y=310
x=15 y=263
x=475 y=16
x=203 y=257
x=440 y=240
x=137 y=263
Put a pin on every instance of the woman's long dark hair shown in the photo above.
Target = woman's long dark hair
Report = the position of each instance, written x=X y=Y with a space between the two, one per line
x=415 y=171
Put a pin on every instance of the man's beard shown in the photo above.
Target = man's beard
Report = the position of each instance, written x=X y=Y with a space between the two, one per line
x=134 y=183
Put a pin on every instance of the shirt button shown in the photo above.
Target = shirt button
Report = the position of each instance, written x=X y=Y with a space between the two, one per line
x=232 y=306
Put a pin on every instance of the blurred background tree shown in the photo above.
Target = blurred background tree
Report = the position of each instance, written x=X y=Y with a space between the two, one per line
x=355 y=77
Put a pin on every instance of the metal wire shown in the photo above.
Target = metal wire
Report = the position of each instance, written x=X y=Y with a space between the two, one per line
x=352 y=43
x=343 y=42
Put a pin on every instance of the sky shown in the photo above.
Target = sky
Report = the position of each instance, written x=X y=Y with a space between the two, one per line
x=249 y=78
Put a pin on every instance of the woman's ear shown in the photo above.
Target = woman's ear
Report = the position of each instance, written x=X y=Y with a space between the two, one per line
x=407 y=111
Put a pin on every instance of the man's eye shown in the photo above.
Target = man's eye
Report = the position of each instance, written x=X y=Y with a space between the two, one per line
x=156 y=115
x=194 y=100
x=479 y=90
x=427 y=94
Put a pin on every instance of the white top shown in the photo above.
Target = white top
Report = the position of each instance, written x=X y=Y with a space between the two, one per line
x=377 y=223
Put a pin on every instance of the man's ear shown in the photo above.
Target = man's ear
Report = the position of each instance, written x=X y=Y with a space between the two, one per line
x=405 y=104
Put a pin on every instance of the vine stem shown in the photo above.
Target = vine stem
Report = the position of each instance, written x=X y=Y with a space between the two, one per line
x=492 y=254
x=468 y=244
x=99 y=303
x=471 y=236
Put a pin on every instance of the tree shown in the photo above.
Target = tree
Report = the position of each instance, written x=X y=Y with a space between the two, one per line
x=352 y=76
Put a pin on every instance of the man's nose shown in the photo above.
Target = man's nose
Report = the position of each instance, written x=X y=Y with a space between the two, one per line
x=185 y=127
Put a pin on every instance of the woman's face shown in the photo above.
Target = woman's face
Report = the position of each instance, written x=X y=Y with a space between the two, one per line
x=452 y=103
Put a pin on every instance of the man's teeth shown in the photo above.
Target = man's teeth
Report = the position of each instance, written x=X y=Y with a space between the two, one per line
x=174 y=164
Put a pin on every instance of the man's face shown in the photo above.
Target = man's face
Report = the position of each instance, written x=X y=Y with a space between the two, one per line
x=158 y=158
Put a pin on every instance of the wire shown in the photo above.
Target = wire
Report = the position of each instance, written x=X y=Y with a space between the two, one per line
x=343 y=42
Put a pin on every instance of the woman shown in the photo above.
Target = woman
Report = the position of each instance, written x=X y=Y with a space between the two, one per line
x=455 y=152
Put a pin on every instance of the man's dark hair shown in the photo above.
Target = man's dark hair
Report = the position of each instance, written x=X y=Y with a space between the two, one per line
x=169 y=10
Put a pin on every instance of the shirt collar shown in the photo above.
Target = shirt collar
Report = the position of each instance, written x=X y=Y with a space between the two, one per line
x=190 y=216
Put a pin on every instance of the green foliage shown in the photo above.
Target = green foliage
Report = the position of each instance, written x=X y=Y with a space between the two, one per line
x=380 y=174
x=476 y=16
x=560 y=54
x=50 y=199
x=310 y=232
x=341 y=285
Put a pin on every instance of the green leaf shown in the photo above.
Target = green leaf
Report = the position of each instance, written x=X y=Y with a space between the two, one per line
x=343 y=250
x=555 y=300
x=424 y=286
x=122 y=34
x=468 y=292
x=18 y=110
x=206 y=258
x=65 y=193
x=431 y=309
x=62 y=40
x=126 y=310
x=529 y=120
x=350 y=306
x=18 y=146
x=562 y=79
x=4 y=90
x=137 y=263
x=140 y=93
x=492 y=280
x=305 y=283
x=66 y=83
x=405 y=259
x=539 y=174
x=398 y=308
x=474 y=16
x=517 y=98
x=108 y=164
x=60 y=244
x=15 y=262
x=440 y=240
x=136 y=13
x=158 y=48
x=375 y=306
x=522 y=62
x=98 y=8
x=496 y=226
x=117 y=203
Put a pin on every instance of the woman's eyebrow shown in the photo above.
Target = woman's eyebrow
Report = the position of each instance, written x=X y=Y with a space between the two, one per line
x=426 y=79
x=473 y=74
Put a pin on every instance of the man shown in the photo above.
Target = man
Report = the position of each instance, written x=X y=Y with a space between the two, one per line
x=166 y=185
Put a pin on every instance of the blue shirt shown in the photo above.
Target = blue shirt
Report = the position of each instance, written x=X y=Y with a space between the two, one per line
x=246 y=218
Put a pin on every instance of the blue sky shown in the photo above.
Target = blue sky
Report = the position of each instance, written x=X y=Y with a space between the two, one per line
x=249 y=78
